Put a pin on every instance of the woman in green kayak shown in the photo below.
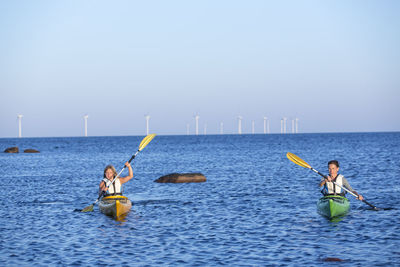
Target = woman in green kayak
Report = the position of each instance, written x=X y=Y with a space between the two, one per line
x=330 y=187
x=116 y=187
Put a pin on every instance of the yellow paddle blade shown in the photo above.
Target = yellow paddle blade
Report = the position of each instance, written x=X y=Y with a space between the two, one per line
x=146 y=141
x=297 y=160
x=88 y=209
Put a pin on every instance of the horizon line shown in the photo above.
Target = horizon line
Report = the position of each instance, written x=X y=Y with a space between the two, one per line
x=216 y=134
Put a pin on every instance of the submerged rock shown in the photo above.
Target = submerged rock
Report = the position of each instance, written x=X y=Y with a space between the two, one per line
x=182 y=178
x=332 y=259
x=30 y=150
x=12 y=150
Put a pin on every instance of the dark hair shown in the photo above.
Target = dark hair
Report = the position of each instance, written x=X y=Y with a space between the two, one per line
x=334 y=162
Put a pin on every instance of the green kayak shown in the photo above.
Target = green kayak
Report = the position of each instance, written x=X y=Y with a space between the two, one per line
x=333 y=206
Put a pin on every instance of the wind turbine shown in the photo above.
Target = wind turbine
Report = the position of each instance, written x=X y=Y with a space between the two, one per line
x=297 y=125
x=86 y=118
x=221 y=128
x=284 y=124
x=252 y=127
x=205 y=128
x=293 y=126
x=266 y=125
x=197 y=123
x=240 y=124
x=187 y=128
x=147 y=123
x=19 y=125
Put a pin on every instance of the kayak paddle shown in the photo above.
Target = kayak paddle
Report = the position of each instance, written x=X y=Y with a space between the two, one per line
x=292 y=157
x=142 y=145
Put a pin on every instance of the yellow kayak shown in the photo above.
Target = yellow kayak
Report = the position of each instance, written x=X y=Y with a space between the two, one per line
x=115 y=206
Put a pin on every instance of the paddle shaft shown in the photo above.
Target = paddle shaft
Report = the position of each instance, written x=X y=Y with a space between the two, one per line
x=142 y=145
x=295 y=159
x=101 y=194
x=345 y=189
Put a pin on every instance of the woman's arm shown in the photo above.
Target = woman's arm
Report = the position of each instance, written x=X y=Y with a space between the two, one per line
x=347 y=185
x=130 y=176
x=323 y=182
x=102 y=187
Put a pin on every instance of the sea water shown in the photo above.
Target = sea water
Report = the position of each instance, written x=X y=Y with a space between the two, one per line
x=256 y=208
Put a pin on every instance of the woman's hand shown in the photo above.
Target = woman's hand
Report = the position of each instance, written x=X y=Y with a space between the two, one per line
x=328 y=178
x=130 y=176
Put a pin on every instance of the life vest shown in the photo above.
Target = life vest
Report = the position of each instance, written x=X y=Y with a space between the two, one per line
x=334 y=189
x=113 y=189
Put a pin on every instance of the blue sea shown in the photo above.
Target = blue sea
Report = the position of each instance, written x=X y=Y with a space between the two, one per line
x=256 y=208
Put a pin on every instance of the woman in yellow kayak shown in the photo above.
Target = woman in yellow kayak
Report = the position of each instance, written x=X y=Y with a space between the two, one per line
x=330 y=187
x=116 y=187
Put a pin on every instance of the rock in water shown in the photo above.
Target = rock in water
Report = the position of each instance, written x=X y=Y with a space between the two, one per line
x=182 y=178
x=30 y=150
x=12 y=150
x=332 y=259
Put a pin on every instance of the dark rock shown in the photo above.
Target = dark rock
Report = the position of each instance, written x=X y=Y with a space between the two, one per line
x=182 y=178
x=332 y=259
x=12 y=150
x=30 y=150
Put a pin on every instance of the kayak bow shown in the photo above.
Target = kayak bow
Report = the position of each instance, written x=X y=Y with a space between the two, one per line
x=115 y=206
x=333 y=206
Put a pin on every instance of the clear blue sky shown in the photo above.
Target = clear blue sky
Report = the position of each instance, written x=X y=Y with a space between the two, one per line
x=333 y=64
